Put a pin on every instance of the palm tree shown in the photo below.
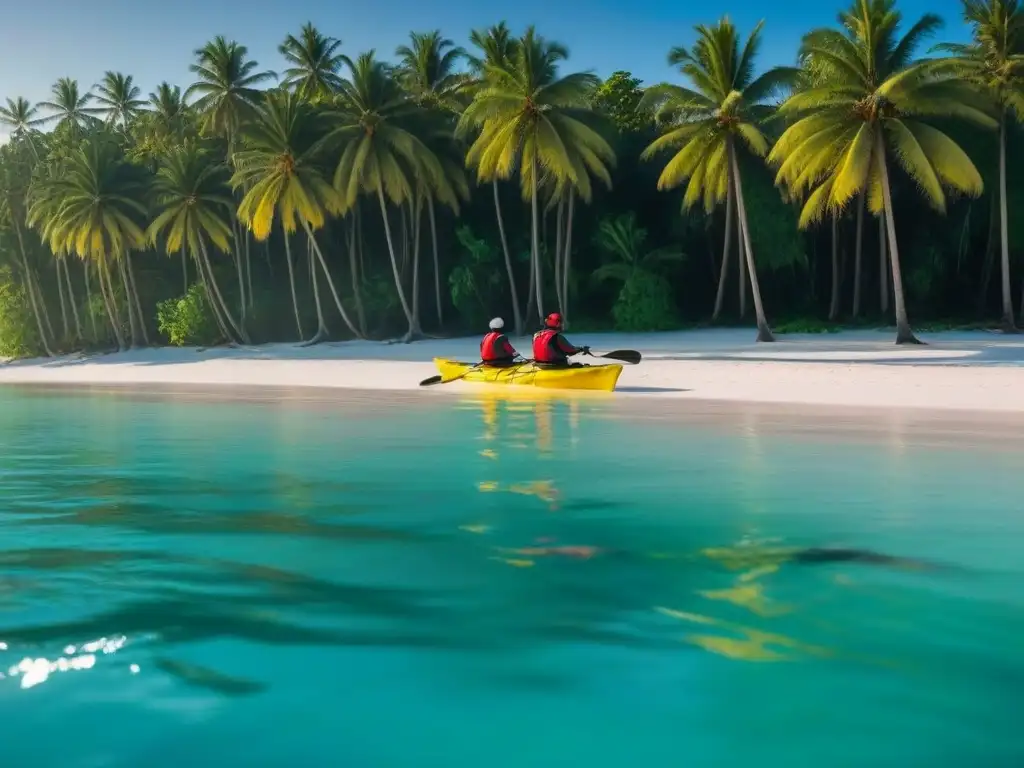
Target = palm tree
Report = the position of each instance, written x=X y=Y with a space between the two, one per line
x=427 y=70
x=70 y=106
x=93 y=208
x=227 y=87
x=227 y=83
x=120 y=98
x=281 y=168
x=168 y=104
x=315 y=63
x=20 y=116
x=873 y=102
x=532 y=121
x=710 y=123
x=381 y=138
x=994 y=62
x=496 y=46
x=194 y=206
x=625 y=241
x=13 y=193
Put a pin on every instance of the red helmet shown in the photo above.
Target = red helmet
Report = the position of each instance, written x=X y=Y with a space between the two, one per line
x=554 y=321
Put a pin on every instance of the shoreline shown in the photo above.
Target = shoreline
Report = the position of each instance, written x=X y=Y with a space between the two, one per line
x=958 y=373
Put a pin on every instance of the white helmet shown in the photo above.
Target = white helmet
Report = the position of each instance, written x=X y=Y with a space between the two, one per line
x=497 y=324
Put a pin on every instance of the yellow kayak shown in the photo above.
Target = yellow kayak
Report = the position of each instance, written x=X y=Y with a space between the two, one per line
x=593 y=377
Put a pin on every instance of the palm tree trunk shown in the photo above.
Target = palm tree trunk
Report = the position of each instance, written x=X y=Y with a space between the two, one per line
x=567 y=259
x=60 y=296
x=559 y=233
x=321 y=324
x=359 y=242
x=291 y=281
x=237 y=230
x=353 y=263
x=238 y=328
x=883 y=266
x=133 y=323
x=858 y=248
x=88 y=302
x=730 y=223
x=437 y=267
x=535 y=244
x=1009 y=324
x=38 y=306
x=990 y=254
x=184 y=272
x=416 y=232
x=43 y=339
x=212 y=299
x=248 y=269
x=330 y=282
x=531 y=302
x=833 y=309
x=71 y=299
x=764 y=333
x=138 y=301
x=405 y=239
x=742 y=287
x=44 y=310
x=516 y=313
x=110 y=301
x=394 y=263
x=904 y=334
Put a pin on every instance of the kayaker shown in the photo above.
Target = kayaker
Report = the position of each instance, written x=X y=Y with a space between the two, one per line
x=495 y=350
x=550 y=347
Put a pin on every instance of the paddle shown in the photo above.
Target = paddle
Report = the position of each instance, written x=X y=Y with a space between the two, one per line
x=441 y=380
x=630 y=356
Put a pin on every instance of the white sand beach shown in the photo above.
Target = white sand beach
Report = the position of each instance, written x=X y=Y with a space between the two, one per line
x=972 y=371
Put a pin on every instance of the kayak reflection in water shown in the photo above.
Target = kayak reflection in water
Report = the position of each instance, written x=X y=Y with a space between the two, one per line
x=746 y=557
x=550 y=348
x=496 y=351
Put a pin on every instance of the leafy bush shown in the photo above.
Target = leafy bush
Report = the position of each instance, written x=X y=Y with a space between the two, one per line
x=19 y=336
x=645 y=303
x=189 y=319
x=475 y=283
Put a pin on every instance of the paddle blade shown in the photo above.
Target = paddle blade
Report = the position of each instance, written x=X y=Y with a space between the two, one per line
x=432 y=380
x=630 y=356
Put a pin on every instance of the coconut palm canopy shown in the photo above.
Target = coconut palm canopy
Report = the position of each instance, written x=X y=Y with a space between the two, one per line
x=867 y=95
x=353 y=172
x=724 y=101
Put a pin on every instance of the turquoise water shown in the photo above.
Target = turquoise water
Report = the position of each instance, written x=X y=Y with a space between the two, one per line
x=372 y=584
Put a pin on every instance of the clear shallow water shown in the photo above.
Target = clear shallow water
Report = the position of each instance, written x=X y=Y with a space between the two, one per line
x=367 y=585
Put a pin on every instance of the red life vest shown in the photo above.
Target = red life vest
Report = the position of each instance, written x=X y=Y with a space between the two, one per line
x=493 y=349
x=545 y=347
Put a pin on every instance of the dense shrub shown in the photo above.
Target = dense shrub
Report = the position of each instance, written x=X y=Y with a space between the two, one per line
x=188 y=319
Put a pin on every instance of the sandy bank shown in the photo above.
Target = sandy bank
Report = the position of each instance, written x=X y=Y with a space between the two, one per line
x=957 y=371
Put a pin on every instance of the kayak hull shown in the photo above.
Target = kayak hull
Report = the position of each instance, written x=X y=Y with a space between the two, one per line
x=601 y=378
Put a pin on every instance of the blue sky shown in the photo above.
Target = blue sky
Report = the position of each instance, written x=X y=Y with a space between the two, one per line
x=43 y=40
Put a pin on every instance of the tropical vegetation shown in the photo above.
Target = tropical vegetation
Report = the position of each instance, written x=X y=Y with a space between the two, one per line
x=359 y=196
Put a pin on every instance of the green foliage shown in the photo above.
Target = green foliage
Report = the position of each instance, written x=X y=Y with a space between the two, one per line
x=475 y=282
x=188 y=320
x=645 y=303
x=619 y=99
x=18 y=335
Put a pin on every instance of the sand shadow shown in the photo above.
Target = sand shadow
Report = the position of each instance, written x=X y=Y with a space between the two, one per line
x=650 y=390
